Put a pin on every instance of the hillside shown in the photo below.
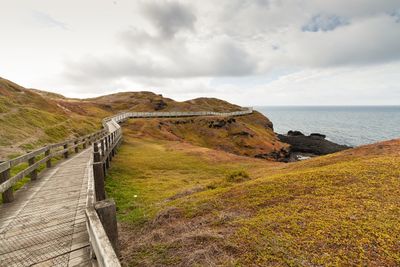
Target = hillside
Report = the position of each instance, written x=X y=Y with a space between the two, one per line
x=31 y=118
x=250 y=135
x=183 y=205
x=199 y=192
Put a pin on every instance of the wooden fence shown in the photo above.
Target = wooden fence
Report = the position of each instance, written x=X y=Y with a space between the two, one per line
x=101 y=220
x=30 y=163
x=126 y=115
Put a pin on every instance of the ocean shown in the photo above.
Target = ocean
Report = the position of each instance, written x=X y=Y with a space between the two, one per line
x=348 y=125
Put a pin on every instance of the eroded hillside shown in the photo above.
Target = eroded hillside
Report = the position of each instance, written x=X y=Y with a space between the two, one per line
x=250 y=135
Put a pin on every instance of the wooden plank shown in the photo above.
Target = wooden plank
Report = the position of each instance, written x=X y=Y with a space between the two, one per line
x=25 y=225
x=38 y=252
x=77 y=253
x=80 y=257
x=21 y=230
x=23 y=242
x=56 y=261
x=28 y=216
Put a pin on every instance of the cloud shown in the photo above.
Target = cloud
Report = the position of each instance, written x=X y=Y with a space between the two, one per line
x=169 y=17
x=48 y=21
x=173 y=42
x=369 y=41
x=347 y=86
x=217 y=58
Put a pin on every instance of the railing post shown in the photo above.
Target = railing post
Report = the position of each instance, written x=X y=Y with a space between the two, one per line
x=66 y=152
x=110 y=144
x=98 y=174
x=108 y=216
x=48 y=162
x=113 y=142
x=106 y=143
x=76 y=147
x=85 y=143
x=107 y=147
x=103 y=152
x=33 y=174
x=119 y=135
x=8 y=195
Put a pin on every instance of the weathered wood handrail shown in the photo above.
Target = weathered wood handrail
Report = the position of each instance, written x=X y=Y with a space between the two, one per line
x=124 y=115
x=38 y=157
x=101 y=222
x=101 y=246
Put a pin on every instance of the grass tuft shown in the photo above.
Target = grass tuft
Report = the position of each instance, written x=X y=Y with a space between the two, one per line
x=237 y=176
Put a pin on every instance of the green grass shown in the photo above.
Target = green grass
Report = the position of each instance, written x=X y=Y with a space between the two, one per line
x=238 y=176
x=146 y=173
x=341 y=214
x=4 y=105
x=32 y=128
x=338 y=210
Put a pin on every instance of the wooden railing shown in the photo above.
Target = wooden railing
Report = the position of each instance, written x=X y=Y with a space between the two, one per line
x=31 y=163
x=101 y=219
x=125 y=115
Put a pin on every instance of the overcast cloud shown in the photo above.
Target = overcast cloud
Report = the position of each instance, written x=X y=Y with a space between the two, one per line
x=258 y=52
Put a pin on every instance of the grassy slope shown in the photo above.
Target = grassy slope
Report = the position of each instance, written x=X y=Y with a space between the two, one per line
x=340 y=209
x=249 y=135
x=32 y=118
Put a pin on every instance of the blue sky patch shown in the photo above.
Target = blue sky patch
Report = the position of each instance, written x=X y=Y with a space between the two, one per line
x=324 y=23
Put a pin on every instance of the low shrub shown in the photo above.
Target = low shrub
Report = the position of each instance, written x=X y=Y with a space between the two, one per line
x=237 y=176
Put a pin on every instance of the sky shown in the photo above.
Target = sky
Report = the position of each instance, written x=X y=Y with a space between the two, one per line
x=258 y=52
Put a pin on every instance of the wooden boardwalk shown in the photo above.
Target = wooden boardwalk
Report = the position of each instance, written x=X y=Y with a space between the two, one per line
x=46 y=224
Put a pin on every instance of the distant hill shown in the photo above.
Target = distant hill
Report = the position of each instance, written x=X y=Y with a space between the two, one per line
x=31 y=118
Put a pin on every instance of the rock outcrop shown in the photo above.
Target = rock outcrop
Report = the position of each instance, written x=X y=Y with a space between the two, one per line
x=314 y=144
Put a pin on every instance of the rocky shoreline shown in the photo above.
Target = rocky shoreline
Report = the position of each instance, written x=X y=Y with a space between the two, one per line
x=306 y=146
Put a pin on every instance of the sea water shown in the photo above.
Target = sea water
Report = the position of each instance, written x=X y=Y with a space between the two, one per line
x=348 y=125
